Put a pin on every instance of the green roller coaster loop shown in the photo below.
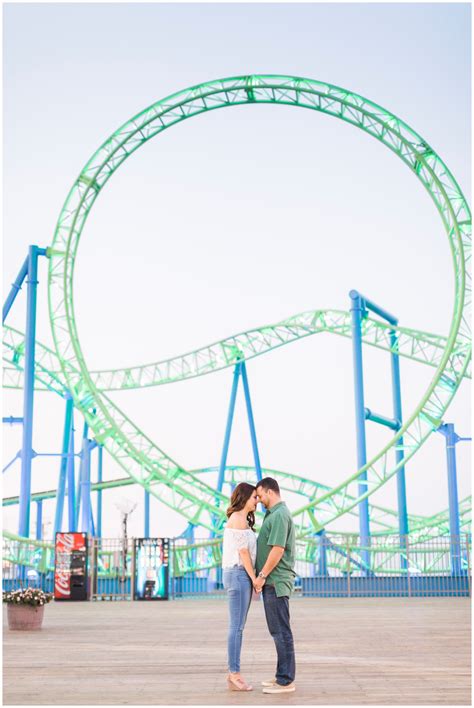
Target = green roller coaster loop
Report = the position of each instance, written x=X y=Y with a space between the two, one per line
x=138 y=456
x=143 y=461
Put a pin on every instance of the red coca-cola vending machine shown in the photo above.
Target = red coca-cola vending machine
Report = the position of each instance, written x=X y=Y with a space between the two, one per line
x=70 y=566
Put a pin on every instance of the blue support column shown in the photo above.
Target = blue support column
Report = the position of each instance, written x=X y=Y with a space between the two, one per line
x=39 y=519
x=84 y=443
x=322 y=558
x=91 y=523
x=146 y=530
x=83 y=494
x=71 y=489
x=357 y=312
x=61 y=490
x=99 y=491
x=399 y=454
x=253 y=435
x=28 y=394
x=230 y=416
x=447 y=429
x=85 y=487
x=15 y=289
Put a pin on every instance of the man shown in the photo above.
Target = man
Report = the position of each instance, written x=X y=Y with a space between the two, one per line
x=275 y=563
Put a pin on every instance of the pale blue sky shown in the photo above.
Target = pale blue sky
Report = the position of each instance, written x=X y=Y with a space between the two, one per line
x=238 y=218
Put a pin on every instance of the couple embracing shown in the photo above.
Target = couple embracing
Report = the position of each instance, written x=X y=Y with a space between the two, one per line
x=261 y=565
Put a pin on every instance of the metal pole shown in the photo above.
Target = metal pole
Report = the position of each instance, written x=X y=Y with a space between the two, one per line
x=16 y=287
x=133 y=571
x=147 y=514
x=29 y=386
x=230 y=416
x=99 y=491
x=408 y=566
x=253 y=435
x=399 y=455
x=58 y=517
x=322 y=562
x=91 y=522
x=348 y=568
x=447 y=429
x=39 y=519
x=85 y=430
x=357 y=311
x=85 y=486
x=71 y=490
x=468 y=558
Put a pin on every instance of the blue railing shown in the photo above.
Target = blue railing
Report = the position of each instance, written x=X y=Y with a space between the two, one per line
x=336 y=567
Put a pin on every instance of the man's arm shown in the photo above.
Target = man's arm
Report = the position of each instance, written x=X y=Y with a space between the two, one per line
x=274 y=557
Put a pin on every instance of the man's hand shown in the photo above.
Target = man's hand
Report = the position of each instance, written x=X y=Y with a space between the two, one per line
x=258 y=584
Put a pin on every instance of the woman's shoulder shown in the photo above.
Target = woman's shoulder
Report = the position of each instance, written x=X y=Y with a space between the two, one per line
x=236 y=523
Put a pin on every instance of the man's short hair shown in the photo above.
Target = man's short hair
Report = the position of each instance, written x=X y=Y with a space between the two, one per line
x=269 y=483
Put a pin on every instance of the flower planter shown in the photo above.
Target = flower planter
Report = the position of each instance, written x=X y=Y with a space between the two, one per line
x=25 y=617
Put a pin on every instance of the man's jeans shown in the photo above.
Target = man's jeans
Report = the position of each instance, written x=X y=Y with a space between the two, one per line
x=277 y=612
x=239 y=589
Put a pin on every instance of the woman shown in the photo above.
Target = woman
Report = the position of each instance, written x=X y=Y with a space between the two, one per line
x=238 y=563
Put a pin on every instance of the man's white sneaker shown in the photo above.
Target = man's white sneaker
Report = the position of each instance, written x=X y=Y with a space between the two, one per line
x=276 y=688
x=271 y=682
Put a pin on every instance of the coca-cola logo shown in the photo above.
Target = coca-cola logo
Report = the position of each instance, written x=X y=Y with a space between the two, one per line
x=62 y=586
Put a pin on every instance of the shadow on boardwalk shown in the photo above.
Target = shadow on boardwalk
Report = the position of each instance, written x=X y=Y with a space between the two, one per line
x=357 y=651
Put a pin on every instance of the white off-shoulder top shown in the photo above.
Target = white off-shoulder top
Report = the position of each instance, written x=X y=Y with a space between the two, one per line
x=234 y=540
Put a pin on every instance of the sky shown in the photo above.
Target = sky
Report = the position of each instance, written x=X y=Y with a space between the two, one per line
x=234 y=220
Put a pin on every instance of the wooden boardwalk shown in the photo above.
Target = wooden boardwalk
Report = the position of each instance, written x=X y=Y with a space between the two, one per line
x=350 y=651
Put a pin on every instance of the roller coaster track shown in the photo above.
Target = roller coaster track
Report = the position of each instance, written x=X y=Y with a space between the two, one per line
x=412 y=344
x=145 y=462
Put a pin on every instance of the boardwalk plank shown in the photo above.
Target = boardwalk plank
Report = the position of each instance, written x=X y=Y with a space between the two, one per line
x=350 y=651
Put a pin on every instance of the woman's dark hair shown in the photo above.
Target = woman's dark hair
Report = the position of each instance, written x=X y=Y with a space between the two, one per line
x=238 y=500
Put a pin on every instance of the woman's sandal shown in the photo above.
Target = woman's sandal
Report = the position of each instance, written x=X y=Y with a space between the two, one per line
x=237 y=684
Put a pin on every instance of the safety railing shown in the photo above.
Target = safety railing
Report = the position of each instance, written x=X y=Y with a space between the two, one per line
x=326 y=566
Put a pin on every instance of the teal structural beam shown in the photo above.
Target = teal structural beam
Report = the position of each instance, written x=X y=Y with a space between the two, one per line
x=61 y=489
x=28 y=393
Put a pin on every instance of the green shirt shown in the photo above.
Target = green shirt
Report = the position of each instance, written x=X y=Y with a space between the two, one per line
x=278 y=529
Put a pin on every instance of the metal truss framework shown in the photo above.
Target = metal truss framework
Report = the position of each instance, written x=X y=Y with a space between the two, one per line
x=412 y=344
x=146 y=463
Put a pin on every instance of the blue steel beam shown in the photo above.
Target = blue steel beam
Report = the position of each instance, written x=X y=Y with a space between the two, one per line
x=84 y=443
x=61 y=490
x=397 y=415
x=357 y=312
x=28 y=394
x=322 y=558
x=99 y=491
x=39 y=519
x=382 y=420
x=370 y=305
x=146 y=530
x=71 y=489
x=15 y=289
x=230 y=416
x=17 y=456
x=253 y=435
x=85 y=487
x=12 y=420
x=399 y=454
x=447 y=429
